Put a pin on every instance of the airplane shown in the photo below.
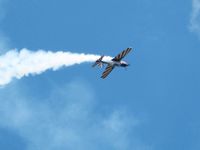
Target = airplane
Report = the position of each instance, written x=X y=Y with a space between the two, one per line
x=111 y=64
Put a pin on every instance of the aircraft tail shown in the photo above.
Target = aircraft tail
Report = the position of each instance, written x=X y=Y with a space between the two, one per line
x=98 y=62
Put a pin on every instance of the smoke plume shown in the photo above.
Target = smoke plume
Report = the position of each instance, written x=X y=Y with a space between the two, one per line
x=17 y=64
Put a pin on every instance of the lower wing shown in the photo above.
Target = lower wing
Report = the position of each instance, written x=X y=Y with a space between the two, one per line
x=107 y=71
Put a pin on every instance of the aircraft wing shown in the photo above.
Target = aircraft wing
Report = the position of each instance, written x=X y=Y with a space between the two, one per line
x=107 y=71
x=120 y=56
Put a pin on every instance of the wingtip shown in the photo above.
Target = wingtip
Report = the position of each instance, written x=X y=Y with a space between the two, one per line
x=102 y=77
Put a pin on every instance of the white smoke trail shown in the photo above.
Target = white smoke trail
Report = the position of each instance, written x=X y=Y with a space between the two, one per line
x=17 y=64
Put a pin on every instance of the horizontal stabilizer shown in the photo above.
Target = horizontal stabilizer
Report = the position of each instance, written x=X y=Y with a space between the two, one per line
x=98 y=62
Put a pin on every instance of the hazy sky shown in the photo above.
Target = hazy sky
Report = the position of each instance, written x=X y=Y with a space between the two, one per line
x=153 y=105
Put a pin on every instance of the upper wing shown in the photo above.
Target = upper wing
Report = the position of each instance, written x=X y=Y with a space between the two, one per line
x=122 y=54
x=108 y=69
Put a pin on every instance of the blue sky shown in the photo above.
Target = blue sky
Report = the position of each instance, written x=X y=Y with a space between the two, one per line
x=152 y=105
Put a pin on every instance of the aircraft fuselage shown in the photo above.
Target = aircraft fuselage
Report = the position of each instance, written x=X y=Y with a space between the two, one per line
x=116 y=63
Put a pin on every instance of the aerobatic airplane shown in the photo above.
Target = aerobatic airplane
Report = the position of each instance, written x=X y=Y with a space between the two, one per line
x=115 y=62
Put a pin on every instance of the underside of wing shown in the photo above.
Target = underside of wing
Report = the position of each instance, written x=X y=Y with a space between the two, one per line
x=122 y=54
x=107 y=71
